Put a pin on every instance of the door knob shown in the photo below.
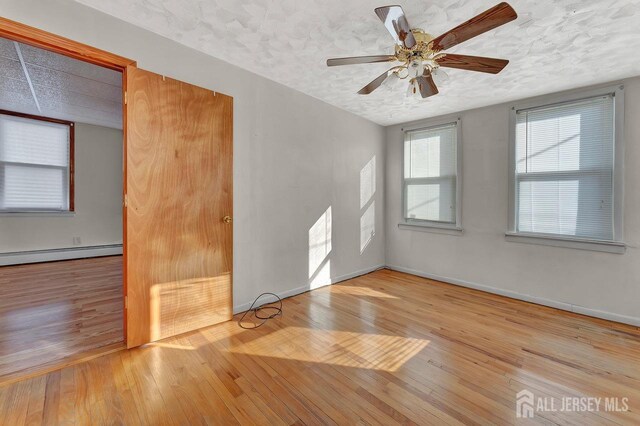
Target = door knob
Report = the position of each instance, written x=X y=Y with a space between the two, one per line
x=227 y=219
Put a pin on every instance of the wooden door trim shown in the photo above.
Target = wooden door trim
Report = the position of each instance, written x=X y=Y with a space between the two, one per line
x=35 y=37
x=26 y=34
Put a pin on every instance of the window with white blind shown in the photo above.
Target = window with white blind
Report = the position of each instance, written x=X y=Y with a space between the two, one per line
x=35 y=164
x=565 y=183
x=431 y=180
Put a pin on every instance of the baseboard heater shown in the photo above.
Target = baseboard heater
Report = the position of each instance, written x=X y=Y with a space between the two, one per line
x=37 y=256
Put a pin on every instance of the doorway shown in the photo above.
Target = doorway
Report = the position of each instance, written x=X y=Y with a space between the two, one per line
x=177 y=195
x=61 y=189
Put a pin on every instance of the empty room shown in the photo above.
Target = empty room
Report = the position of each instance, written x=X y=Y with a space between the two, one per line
x=319 y=212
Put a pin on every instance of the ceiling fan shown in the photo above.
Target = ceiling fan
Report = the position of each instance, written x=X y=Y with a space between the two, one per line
x=422 y=55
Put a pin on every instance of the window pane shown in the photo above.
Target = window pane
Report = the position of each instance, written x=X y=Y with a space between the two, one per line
x=34 y=164
x=431 y=152
x=574 y=136
x=430 y=173
x=432 y=201
x=564 y=169
x=579 y=207
x=26 y=187
x=29 y=141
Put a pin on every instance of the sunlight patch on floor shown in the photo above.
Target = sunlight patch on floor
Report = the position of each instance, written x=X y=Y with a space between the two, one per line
x=342 y=348
x=362 y=292
x=170 y=346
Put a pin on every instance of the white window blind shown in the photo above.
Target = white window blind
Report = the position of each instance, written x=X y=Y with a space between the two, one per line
x=430 y=174
x=564 y=177
x=34 y=165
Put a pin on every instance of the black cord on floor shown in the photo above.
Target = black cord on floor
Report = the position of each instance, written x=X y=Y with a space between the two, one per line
x=264 y=308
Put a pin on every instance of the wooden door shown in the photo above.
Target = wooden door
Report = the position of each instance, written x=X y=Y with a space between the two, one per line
x=178 y=245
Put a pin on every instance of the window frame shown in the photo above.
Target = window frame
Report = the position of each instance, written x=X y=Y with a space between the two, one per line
x=616 y=245
x=432 y=224
x=71 y=167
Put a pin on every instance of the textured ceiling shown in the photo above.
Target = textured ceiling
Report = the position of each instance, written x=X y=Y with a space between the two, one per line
x=553 y=45
x=64 y=88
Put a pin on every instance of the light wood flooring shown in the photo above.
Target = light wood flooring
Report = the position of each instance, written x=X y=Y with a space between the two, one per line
x=51 y=312
x=384 y=348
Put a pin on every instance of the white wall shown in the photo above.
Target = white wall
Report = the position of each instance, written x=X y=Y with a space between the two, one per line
x=480 y=257
x=98 y=200
x=294 y=156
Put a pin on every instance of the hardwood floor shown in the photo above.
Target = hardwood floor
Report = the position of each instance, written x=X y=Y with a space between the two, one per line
x=53 y=312
x=384 y=348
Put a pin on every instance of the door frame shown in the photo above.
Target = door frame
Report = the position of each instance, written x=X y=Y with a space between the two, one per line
x=26 y=34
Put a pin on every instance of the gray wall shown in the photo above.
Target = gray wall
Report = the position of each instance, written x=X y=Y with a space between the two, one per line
x=480 y=257
x=294 y=156
x=98 y=200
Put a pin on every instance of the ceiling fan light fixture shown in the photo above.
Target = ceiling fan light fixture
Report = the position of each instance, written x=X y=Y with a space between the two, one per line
x=413 y=91
x=418 y=66
x=440 y=77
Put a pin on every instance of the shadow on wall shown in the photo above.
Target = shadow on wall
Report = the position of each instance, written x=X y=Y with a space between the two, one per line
x=367 y=204
x=319 y=250
x=320 y=232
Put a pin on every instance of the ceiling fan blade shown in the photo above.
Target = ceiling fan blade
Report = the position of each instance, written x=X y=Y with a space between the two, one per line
x=360 y=60
x=426 y=85
x=397 y=24
x=473 y=63
x=489 y=19
x=374 y=84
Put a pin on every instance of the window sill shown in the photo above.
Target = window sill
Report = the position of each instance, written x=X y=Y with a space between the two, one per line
x=432 y=227
x=36 y=214
x=547 y=240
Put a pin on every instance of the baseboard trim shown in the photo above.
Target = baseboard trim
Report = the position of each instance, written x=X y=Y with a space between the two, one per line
x=299 y=290
x=37 y=256
x=635 y=321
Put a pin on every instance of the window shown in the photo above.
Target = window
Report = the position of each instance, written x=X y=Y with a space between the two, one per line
x=431 y=185
x=565 y=182
x=36 y=173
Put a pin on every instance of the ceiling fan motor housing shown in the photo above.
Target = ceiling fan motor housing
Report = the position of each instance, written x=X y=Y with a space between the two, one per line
x=421 y=51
